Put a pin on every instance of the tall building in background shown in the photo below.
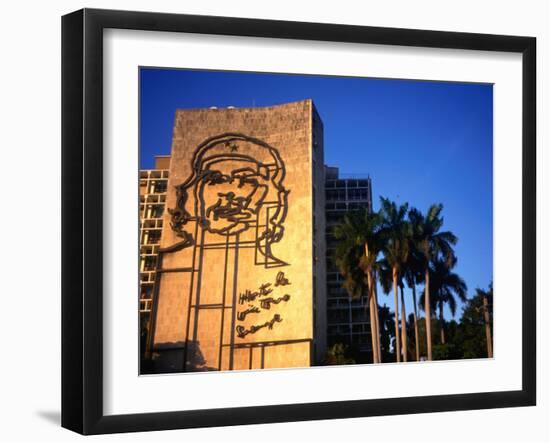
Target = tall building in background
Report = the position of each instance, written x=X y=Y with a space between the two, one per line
x=152 y=198
x=347 y=320
x=239 y=255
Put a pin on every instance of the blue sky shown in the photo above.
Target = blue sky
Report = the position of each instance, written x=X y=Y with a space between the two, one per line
x=421 y=142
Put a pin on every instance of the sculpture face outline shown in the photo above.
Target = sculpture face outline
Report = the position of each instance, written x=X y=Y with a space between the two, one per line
x=230 y=192
x=235 y=197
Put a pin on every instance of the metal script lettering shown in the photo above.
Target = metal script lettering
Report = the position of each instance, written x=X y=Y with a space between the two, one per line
x=281 y=280
x=249 y=296
x=267 y=302
x=242 y=315
x=243 y=332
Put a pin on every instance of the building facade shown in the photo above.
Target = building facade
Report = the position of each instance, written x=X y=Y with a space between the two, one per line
x=152 y=198
x=347 y=319
x=239 y=268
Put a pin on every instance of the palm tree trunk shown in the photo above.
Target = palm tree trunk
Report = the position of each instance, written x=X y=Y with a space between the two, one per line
x=403 y=325
x=377 y=319
x=373 y=330
x=428 y=315
x=377 y=329
x=375 y=339
x=397 y=338
x=415 y=325
x=487 y=327
x=373 y=308
x=441 y=323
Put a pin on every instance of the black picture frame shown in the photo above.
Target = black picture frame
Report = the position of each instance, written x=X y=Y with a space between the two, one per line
x=82 y=188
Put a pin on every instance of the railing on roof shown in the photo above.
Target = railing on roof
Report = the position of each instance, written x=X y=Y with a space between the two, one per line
x=352 y=175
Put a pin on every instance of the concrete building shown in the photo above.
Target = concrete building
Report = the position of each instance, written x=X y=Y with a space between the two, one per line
x=239 y=277
x=152 y=197
x=348 y=320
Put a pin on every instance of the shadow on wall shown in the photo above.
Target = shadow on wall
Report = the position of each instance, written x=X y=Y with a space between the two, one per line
x=169 y=358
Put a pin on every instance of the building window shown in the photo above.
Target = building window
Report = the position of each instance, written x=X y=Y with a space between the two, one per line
x=335 y=194
x=156 y=211
x=358 y=194
x=153 y=237
x=160 y=187
x=150 y=263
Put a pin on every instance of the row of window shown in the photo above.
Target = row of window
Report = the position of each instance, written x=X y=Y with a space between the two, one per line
x=150 y=237
x=343 y=316
x=146 y=277
x=153 y=210
x=349 y=194
x=347 y=183
x=153 y=186
x=153 y=173
x=339 y=207
x=148 y=249
x=345 y=302
x=346 y=329
x=152 y=198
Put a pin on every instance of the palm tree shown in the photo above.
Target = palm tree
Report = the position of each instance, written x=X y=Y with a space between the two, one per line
x=444 y=285
x=403 y=324
x=385 y=277
x=431 y=243
x=356 y=255
x=386 y=281
x=374 y=290
x=396 y=233
x=413 y=274
x=386 y=328
x=487 y=297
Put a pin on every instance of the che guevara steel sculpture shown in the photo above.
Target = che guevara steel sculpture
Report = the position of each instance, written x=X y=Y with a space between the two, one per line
x=235 y=191
x=247 y=185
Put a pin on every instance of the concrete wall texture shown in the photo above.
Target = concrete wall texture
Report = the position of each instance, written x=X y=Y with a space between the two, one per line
x=241 y=275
